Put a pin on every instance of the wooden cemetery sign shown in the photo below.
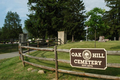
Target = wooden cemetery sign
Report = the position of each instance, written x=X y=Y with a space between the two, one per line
x=88 y=58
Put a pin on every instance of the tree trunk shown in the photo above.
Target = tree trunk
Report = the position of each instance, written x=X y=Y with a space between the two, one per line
x=119 y=37
x=72 y=38
x=95 y=38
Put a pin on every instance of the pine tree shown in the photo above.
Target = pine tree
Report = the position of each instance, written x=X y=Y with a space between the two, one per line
x=112 y=17
x=50 y=16
x=43 y=21
x=74 y=18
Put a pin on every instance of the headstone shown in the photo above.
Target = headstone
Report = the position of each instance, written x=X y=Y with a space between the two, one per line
x=101 y=39
x=106 y=40
x=114 y=38
x=22 y=38
x=62 y=37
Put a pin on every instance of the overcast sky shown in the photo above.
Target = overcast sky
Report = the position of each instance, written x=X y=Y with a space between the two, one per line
x=90 y=4
x=20 y=6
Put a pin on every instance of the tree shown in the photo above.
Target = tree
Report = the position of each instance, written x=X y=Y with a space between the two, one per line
x=95 y=22
x=50 y=16
x=12 y=26
x=0 y=34
x=112 y=18
x=74 y=18
x=43 y=22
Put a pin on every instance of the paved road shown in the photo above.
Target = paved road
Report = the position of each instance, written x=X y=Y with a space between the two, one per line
x=9 y=55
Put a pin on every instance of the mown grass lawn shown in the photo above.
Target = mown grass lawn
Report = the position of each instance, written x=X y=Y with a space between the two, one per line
x=12 y=68
x=110 y=45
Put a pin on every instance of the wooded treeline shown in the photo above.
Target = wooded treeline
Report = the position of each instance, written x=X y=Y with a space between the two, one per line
x=49 y=16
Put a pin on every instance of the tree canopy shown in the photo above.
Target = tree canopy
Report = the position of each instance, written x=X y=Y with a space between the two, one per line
x=95 y=22
x=112 y=18
x=50 y=16
x=11 y=27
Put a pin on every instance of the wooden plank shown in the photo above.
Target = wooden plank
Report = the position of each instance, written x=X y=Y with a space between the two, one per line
x=67 y=50
x=63 y=50
x=115 y=65
x=41 y=49
x=40 y=66
x=47 y=59
x=40 y=58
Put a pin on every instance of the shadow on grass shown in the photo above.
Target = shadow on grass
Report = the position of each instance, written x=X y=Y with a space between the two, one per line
x=116 y=47
x=9 y=64
x=108 y=71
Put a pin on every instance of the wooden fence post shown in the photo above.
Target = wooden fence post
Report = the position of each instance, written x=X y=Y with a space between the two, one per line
x=56 y=62
x=56 y=41
x=28 y=44
x=60 y=41
x=19 y=50
x=22 y=57
x=37 y=43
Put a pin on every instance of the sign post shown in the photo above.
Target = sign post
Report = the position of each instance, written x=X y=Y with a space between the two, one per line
x=88 y=58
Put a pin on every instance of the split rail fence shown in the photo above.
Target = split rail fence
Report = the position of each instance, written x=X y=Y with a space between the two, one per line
x=55 y=50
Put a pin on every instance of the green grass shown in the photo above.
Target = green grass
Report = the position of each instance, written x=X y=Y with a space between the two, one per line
x=7 y=48
x=110 y=45
x=12 y=68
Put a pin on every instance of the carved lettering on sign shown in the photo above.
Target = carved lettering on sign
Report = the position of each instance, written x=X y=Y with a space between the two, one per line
x=88 y=58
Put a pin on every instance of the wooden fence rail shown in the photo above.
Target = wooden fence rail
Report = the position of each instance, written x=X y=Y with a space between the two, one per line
x=43 y=42
x=65 y=50
x=55 y=50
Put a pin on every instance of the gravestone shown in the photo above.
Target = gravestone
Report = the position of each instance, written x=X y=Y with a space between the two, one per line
x=114 y=38
x=62 y=37
x=101 y=39
x=22 y=38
